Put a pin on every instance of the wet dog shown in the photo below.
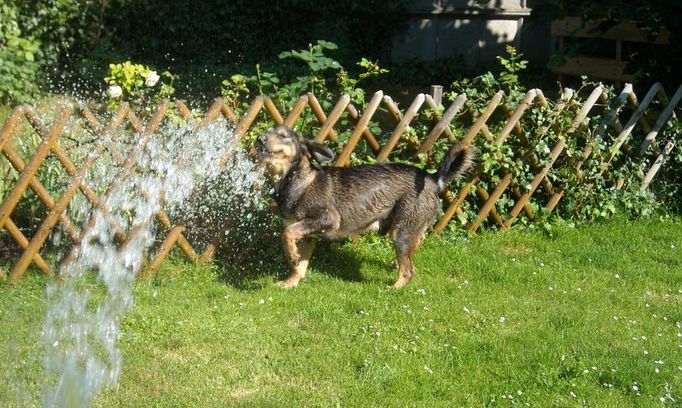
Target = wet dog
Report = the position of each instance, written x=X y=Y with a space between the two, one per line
x=337 y=202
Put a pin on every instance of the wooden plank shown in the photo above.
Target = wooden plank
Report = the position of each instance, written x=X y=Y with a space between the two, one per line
x=628 y=31
x=600 y=68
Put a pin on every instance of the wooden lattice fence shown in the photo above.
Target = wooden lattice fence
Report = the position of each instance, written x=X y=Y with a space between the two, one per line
x=596 y=116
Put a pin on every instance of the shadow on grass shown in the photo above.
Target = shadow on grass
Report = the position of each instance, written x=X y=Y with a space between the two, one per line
x=252 y=269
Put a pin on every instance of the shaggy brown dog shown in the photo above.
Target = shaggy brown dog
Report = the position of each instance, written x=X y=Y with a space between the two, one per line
x=337 y=202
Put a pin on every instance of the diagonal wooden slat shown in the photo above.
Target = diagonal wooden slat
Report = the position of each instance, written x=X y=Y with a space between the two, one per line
x=443 y=124
x=400 y=128
x=327 y=128
x=366 y=133
x=372 y=106
x=296 y=111
x=669 y=110
x=42 y=193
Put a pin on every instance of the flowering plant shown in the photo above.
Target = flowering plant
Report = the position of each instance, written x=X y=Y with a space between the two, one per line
x=137 y=84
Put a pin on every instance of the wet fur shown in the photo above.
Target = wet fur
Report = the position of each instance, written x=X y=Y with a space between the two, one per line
x=337 y=202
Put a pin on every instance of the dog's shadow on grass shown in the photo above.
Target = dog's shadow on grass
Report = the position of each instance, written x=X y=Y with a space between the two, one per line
x=254 y=269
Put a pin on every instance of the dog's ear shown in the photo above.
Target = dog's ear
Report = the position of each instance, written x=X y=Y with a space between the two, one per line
x=317 y=151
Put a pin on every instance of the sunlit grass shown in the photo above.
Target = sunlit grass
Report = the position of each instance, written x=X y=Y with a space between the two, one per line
x=589 y=316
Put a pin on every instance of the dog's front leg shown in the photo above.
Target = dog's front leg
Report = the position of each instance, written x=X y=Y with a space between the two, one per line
x=299 y=248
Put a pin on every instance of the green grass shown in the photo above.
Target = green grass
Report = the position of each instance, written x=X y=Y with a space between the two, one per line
x=510 y=318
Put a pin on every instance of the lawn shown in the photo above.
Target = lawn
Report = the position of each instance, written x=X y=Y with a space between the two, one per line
x=588 y=316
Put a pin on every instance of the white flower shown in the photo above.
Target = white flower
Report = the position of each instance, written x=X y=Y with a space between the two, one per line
x=115 y=91
x=151 y=78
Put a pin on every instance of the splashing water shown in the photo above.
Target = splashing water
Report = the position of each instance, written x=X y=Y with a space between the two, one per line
x=82 y=326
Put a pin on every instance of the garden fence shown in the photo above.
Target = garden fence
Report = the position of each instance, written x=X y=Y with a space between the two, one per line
x=648 y=115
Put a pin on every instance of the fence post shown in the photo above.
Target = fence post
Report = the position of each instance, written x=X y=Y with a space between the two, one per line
x=437 y=94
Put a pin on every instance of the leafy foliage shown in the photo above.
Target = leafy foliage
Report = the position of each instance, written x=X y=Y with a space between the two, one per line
x=321 y=75
x=19 y=68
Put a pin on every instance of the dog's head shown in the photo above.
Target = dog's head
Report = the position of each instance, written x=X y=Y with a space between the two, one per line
x=280 y=148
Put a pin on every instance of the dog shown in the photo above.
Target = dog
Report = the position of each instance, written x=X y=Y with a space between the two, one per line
x=338 y=202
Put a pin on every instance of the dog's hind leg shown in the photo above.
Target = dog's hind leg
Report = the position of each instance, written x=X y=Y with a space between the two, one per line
x=406 y=243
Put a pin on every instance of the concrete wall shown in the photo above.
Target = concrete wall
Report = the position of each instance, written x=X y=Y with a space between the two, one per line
x=478 y=32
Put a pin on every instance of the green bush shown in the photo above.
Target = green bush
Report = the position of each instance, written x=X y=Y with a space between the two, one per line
x=19 y=68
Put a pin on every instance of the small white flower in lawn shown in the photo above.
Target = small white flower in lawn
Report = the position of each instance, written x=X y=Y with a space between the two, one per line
x=679 y=334
x=662 y=399
x=542 y=264
x=519 y=392
x=270 y=298
x=659 y=362
x=647 y=305
x=586 y=371
x=466 y=309
x=428 y=370
x=615 y=317
x=657 y=370
x=594 y=368
x=644 y=338
x=672 y=246
x=421 y=291
x=261 y=302
x=503 y=319
x=55 y=344
x=395 y=347
x=376 y=334
x=114 y=91
x=635 y=388
x=579 y=290
x=513 y=259
x=573 y=395
x=151 y=78
x=551 y=288
x=617 y=276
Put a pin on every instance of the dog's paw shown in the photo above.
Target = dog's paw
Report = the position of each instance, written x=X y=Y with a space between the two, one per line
x=400 y=283
x=289 y=282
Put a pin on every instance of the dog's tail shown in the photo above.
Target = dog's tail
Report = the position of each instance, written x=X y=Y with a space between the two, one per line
x=458 y=161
